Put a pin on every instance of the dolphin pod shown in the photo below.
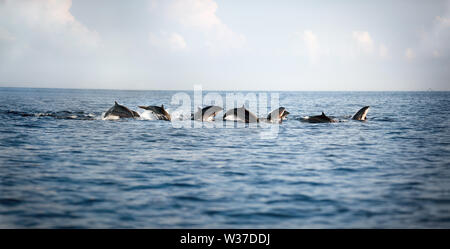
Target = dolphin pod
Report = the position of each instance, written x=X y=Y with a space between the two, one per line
x=241 y=114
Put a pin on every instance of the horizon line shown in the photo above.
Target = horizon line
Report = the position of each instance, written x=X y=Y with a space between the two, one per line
x=118 y=89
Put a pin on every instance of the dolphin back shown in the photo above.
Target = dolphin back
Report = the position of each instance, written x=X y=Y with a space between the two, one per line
x=240 y=114
x=210 y=112
x=159 y=111
x=278 y=114
x=206 y=113
x=121 y=112
x=319 y=119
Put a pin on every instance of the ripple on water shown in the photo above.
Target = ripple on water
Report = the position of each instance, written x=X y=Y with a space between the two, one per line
x=66 y=167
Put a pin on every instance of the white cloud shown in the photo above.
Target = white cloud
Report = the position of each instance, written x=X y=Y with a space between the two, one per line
x=323 y=48
x=363 y=41
x=306 y=44
x=200 y=16
x=409 y=53
x=153 y=4
x=176 y=41
x=434 y=41
x=437 y=40
x=223 y=38
x=5 y=35
x=172 y=41
x=195 y=13
x=36 y=24
x=312 y=45
x=436 y=53
x=445 y=21
x=383 y=51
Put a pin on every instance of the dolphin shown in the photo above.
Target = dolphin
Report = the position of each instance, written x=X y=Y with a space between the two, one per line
x=159 y=112
x=361 y=114
x=319 y=119
x=240 y=114
x=278 y=115
x=206 y=113
x=120 y=111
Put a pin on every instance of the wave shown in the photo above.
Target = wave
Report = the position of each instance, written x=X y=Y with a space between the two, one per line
x=148 y=115
x=78 y=115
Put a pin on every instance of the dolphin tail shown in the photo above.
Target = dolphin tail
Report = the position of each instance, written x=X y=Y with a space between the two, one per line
x=361 y=114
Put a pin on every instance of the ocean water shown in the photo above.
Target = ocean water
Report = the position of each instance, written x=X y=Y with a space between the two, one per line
x=62 y=166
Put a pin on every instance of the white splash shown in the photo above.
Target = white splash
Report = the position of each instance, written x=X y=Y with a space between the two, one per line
x=180 y=115
x=42 y=114
x=234 y=118
x=148 y=115
x=110 y=117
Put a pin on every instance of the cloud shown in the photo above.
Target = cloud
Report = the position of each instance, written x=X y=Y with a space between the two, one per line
x=306 y=44
x=176 y=41
x=199 y=16
x=312 y=45
x=383 y=51
x=433 y=41
x=195 y=13
x=363 y=41
x=327 y=48
x=444 y=21
x=438 y=39
x=45 y=24
x=171 y=41
x=409 y=53
x=5 y=35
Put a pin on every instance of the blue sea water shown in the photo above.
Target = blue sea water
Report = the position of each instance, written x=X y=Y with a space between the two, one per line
x=62 y=166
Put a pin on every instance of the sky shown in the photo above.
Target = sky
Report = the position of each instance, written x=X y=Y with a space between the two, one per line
x=226 y=45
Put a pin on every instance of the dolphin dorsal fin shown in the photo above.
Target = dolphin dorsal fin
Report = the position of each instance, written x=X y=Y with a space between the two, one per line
x=115 y=103
x=162 y=106
x=323 y=114
x=361 y=114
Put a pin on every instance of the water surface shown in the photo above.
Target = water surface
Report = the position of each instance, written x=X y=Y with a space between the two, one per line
x=62 y=166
